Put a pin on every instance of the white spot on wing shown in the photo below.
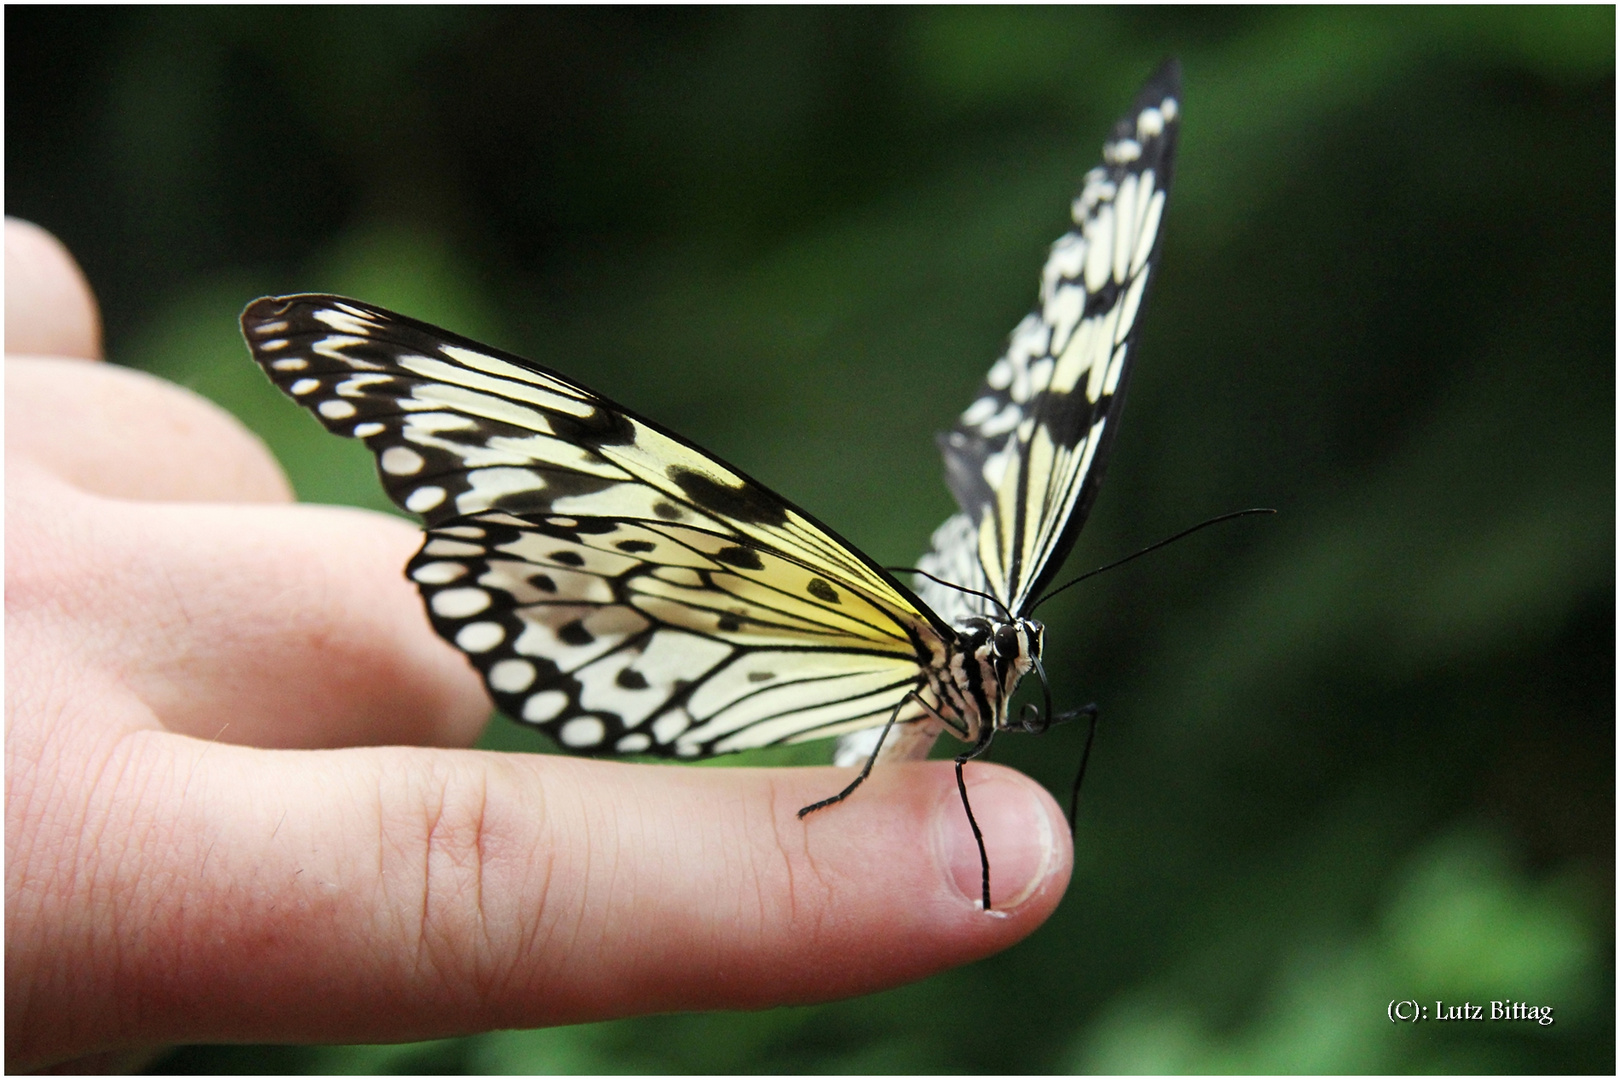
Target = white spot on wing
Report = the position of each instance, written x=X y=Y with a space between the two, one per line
x=441 y=548
x=671 y=724
x=335 y=410
x=480 y=636
x=1124 y=224
x=438 y=573
x=511 y=676
x=995 y=466
x=486 y=487
x=424 y=499
x=544 y=706
x=583 y=731
x=980 y=411
x=1123 y=152
x=401 y=461
x=459 y=603
x=1100 y=256
x=1003 y=422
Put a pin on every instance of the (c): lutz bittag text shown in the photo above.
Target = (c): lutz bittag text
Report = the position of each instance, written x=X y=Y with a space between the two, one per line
x=1412 y=1011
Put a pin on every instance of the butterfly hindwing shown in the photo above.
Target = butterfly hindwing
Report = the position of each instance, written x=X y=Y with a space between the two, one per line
x=614 y=585
x=636 y=638
x=1025 y=459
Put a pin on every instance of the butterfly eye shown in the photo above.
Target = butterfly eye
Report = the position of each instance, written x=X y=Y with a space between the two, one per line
x=1007 y=641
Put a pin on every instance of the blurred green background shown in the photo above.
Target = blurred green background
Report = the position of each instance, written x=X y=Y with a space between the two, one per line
x=1358 y=752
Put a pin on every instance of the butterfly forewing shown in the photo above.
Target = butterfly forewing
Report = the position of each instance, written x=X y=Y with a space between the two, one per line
x=614 y=584
x=1026 y=457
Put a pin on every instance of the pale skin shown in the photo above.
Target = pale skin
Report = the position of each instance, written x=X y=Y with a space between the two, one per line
x=239 y=807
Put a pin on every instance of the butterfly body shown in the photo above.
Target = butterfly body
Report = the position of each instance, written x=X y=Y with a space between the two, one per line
x=630 y=593
x=989 y=659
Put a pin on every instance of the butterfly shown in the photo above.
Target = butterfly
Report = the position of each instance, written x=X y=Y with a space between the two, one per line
x=630 y=593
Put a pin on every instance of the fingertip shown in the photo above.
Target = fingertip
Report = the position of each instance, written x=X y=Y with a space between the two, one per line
x=1026 y=843
x=50 y=310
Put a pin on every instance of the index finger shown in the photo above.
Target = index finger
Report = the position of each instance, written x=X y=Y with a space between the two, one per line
x=396 y=894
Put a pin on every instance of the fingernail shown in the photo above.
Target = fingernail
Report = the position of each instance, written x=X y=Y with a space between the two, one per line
x=1018 y=839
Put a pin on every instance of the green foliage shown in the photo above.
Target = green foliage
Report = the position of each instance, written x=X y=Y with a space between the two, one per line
x=1359 y=752
x=1460 y=922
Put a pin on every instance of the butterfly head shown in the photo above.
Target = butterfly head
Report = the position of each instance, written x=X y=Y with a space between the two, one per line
x=1017 y=645
x=1006 y=650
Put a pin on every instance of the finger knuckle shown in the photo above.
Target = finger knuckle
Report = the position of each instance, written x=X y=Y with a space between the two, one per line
x=460 y=872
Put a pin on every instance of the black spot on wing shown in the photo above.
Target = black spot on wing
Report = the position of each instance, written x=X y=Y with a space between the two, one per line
x=740 y=557
x=1068 y=417
x=631 y=680
x=635 y=547
x=667 y=511
x=574 y=633
x=746 y=503
x=822 y=591
x=602 y=427
x=568 y=558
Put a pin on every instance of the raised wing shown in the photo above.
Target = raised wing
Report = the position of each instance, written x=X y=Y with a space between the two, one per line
x=614 y=584
x=1025 y=459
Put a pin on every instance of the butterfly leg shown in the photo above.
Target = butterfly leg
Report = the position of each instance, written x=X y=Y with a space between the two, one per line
x=985 y=735
x=870 y=761
x=1090 y=713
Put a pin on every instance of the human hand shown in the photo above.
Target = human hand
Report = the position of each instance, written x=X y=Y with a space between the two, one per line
x=208 y=838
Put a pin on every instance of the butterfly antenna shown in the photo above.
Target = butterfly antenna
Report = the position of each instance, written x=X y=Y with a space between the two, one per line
x=1151 y=547
x=952 y=585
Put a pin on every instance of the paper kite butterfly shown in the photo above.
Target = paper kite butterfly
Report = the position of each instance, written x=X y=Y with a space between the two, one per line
x=629 y=593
